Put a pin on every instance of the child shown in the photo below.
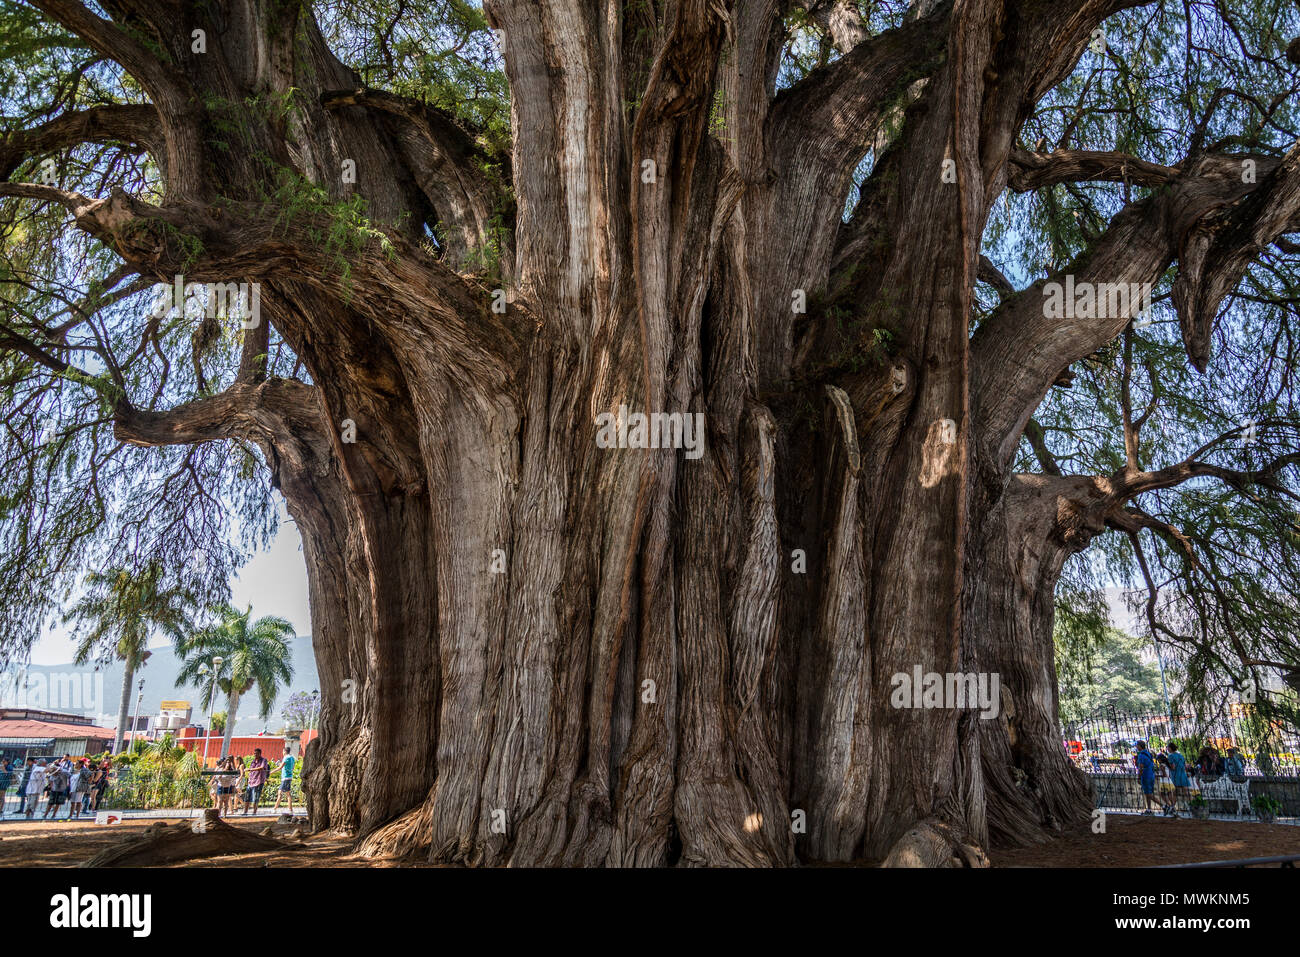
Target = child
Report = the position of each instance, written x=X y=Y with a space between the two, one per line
x=1236 y=767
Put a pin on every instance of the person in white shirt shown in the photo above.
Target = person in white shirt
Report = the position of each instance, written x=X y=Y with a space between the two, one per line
x=226 y=782
x=35 y=786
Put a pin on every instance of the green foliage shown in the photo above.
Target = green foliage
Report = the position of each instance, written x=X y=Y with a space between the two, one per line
x=1266 y=804
x=1102 y=668
x=1189 y=744
x=345 y=230
x=299 y=710
x=121 y=609
x=1222 y=554
x=440 y=52
x=255 y=654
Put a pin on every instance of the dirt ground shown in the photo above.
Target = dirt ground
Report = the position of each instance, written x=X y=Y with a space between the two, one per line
x=1129 y=841
x=1135 y=841
x=67 y=844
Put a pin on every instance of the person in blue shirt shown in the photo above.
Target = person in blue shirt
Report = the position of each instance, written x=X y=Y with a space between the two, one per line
x=1146 y=767
x=1236 y=766
x=1178 y=773
x=286 y=783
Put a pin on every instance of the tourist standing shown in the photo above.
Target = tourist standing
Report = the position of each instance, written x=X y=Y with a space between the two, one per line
x=35 y=785
x=99 y=783
x=6 y=779
x=1166 y=784
x=286 y=783
x=58 y=781
x=1146 y=768
x=1235 y=766
x=1208 y=763
x=226 y=782
x=22 y=785
x=258 y=771
x=1179 y=774
x=80 y=790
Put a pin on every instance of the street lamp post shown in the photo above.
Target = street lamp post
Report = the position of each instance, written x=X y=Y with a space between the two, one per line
x=315 y=709
x=135 y=720
x=212 y=694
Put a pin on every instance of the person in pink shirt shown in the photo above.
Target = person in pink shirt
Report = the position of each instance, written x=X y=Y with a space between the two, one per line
x=258 y=769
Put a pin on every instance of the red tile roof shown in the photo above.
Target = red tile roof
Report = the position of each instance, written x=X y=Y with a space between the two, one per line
x=27 y=728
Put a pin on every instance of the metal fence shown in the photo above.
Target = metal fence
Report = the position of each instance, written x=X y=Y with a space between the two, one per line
x=1103 y=746
x=132 y=790
x=1103 y=742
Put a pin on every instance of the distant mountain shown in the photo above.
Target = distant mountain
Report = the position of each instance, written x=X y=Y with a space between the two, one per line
x=94 y=691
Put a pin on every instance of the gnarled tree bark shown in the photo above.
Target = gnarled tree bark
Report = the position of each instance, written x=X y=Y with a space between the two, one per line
x=536 y=650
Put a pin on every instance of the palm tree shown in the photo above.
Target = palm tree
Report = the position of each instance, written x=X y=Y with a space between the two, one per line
x=254 y=653
x=120 y=610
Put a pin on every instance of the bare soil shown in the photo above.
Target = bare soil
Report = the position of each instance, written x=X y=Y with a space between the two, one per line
x=1135 y=841
x=69 y=843
x=1129 y=841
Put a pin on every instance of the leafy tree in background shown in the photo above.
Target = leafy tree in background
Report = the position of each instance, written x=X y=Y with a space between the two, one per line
x=298 y=711
x=255 y=653
x=1118 y=673
x=826 y=226
x=118 y=613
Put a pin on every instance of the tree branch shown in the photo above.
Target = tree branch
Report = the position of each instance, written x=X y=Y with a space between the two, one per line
x=1037 y=442
x=388 y=277
x=992 y=275
x=448 y=166
x=238 y=412
x=839 y=106
x=1132 y=482
x=1029 y=171
x=1142 y=240
x=173 y=96
x=1215 y=255
x=839 y=19
x=130 y=124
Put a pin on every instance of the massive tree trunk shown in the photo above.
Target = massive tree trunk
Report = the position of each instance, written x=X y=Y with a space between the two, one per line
x=1032 y=789
x=535 y=649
